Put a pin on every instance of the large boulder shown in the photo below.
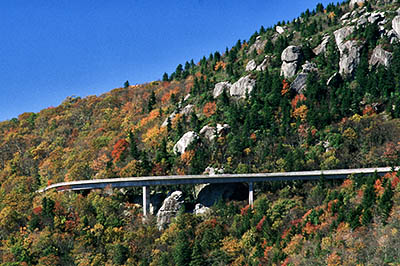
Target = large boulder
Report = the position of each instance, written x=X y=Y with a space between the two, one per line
x=321 y=48
x=299 y=84
x=349 y=58
x=264 y=64
x=242 y=86
x=210 y=132
x=258 y=45
x=291 y=53
x=354 y=2
x=340 y=36
x=201 y=210
x=375 y=17
x=209 y=194
x=280 y=29
x=380 y=57
x=396 y=25
x=290 y=59
x=184 y=142
x=220 y=87
x=169 y=209
x=251 y=65
x=185 y=111
x=288 y=69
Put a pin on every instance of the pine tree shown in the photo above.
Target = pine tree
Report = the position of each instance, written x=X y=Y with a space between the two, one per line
x=126 y=84
x=152 y=101
x=182 y=251
x=165 y=77
x=134 y=151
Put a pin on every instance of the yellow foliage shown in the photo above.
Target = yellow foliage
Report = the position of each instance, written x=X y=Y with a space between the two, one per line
x=231 y=246
x=331 y=15
x=300 y=112
x=154 y=135
x=350 y=134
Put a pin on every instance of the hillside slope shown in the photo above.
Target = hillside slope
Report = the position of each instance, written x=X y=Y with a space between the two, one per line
x=320 y=92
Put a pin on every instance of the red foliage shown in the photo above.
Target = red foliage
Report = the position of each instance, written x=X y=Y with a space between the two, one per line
x=119 y=148
x=37 y=210
x=298 y=98
x=261 y=223
x=244 y=210
x=285 y=87
x=368 y=110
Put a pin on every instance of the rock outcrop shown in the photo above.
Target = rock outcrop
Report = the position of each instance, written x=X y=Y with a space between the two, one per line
x=299 y=84
x=210 y=132
x=258 y=45
x=220 y=87
x=185 y=111
x=264 y=64
x=200 y=209
x=279 y=29
x=290 y=57
x=184 y=142
x=169 y=209
x=354 y=2
x=321 y=48
x=251 y=65
x=213 y=171
x=396 y=25
x=242 y=86
x=211 y=193
x=380 y=57
x=340 y=36
x=349 y=50
x=349 y=58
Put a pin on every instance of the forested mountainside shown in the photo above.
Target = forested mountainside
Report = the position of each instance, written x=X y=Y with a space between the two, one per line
x=319 y=92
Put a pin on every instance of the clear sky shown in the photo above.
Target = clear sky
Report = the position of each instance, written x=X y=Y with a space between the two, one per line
x=51 y=49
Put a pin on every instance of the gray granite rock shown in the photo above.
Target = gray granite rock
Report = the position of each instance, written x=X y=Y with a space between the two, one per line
x=380 y=57
x=321 y=48
x=169 y=209
x=182 y=144
x=396 y=25
x=220 y=87
x=251 y=65
x=354 y=2
x=242 y=86
x=349 y=58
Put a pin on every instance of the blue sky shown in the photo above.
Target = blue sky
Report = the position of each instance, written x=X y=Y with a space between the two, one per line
x=51 y=49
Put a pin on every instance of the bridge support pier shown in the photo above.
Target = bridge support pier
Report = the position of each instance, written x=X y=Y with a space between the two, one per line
x=146 y=200
x=251 y=194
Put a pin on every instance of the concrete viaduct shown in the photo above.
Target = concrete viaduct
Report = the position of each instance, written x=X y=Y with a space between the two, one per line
x=146 y=181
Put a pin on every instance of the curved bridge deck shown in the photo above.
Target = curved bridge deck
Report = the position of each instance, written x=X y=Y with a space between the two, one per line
x=146 y=181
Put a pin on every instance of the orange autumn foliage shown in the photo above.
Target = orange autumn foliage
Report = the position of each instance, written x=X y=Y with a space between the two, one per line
x=219 y=65
x=119 y=148
x=187 y=157
x=285 y=87
x=209 y=109
x=297 y=99
x=300 y=112
x=166 y=97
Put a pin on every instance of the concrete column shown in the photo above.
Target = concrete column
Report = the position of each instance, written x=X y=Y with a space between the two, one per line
x=146 y=200
x=251 y=194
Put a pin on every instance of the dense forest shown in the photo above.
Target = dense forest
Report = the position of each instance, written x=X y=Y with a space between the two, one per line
x=319 y=92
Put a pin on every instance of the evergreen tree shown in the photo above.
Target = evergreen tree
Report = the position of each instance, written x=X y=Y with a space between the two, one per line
x=182 y=251
x=126 y=84
x=134 y=151
x=165 y=77
x=152 y=101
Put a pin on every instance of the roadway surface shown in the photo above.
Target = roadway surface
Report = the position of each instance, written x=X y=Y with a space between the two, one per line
x=212 y=179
